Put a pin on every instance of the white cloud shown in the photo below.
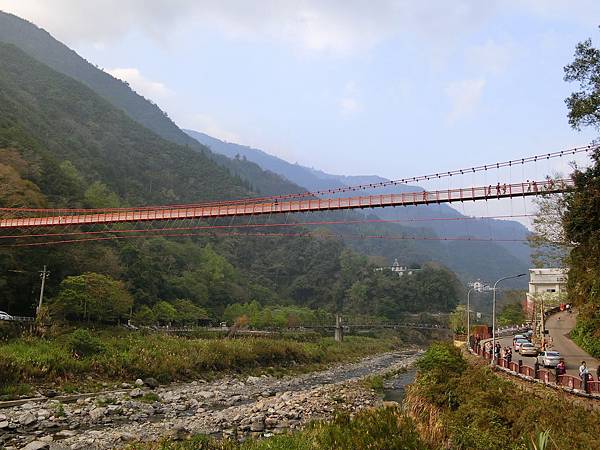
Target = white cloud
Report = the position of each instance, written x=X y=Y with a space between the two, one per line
x=349 y=104
x=464 y=97
x=208 y=125
x=490 y=57
x=338 y=26
x=153 y=90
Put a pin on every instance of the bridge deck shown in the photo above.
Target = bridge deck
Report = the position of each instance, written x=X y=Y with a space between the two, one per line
x=81 y=217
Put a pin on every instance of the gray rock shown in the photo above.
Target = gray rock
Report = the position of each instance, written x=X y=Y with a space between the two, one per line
x=64 y=434
x=139 y=382
x=37 y=445
x=179 y=432
x=27 y=419
x=257 y=425
x=206 y=394
x=127 y=437
x=152 y=383
x=97 y=413
x=135 y=393
x=4 y=424
x=125 y=386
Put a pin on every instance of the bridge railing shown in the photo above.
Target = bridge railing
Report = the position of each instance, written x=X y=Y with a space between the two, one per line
x=18 y=319
x=571 y=383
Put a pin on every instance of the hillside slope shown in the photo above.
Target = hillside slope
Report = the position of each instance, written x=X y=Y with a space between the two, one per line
x=39 y=44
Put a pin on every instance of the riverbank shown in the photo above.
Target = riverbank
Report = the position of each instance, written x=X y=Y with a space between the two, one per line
x=70 y=363
x=229 y=407
x=457 y=403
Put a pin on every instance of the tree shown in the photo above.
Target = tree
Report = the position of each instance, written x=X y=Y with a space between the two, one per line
x=582 y=217
x=98 y=195
x=92 y=297
x=145 y=316
x=548 y=241
x=164 y=312
x=458 y=319
x=511 y=314
x=188 y=312
x=584 y=104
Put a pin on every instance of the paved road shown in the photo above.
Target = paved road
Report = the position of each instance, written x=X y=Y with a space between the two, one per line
x=559 y=325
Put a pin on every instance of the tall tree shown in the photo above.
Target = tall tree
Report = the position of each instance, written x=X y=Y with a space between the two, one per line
x=582 y=215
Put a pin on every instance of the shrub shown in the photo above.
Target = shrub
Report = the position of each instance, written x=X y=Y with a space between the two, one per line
x=82 y=343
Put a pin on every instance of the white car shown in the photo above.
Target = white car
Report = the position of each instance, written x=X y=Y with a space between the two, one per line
x=520 y=342
x=5 y=316
x=528 y=349
x=548 y=359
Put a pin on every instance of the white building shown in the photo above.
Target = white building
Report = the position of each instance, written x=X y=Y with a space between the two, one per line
x=398 y=269
x=547 y=284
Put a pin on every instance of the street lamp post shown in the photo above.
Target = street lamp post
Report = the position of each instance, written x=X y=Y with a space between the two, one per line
x=494 y=314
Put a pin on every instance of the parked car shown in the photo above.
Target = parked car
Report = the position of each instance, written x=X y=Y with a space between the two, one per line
x=5 y=316
x=517 y=344
x=528 y=349
x=528 y=334
x=548 y=359
x=517 y=337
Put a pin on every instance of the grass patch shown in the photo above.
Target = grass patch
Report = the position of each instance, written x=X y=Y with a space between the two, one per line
x=374 y=382
x=15 y=390
x=127 y=356
x=470 y=407
x=385 y=428
x=149 y=397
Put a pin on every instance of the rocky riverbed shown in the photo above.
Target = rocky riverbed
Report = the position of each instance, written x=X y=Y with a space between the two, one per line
x=234 y=407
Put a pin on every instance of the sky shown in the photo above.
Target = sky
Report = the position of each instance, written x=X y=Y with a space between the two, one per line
x=395 y=88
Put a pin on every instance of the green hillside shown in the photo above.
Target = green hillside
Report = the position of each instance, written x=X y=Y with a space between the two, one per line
x=61 y=144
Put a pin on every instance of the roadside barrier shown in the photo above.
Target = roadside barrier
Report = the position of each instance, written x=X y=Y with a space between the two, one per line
x=569 y=383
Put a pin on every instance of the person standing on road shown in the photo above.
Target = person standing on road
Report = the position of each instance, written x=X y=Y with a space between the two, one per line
x=583 y=370
x=561 y=369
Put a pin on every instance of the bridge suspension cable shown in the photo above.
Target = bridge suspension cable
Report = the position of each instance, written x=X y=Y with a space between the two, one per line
x=274 y=235
x=325 y=192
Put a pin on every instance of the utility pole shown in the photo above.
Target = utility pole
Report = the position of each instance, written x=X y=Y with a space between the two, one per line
x=493 y=362
x=543 y=325
x=339 y=329
x=43 y=275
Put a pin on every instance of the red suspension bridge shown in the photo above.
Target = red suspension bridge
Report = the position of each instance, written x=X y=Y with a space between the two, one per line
x=69 y=225
x=66 y=217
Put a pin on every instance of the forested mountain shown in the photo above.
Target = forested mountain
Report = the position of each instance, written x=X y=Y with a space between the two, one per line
x=63 y=145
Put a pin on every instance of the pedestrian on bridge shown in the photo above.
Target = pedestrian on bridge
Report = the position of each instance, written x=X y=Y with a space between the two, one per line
x=583 y=370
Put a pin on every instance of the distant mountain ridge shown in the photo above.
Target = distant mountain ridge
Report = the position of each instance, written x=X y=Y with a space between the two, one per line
x=314 y=180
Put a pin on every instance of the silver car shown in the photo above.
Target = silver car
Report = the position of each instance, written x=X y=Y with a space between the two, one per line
x=528 y=349
x=548 y=359
x=5 y=316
